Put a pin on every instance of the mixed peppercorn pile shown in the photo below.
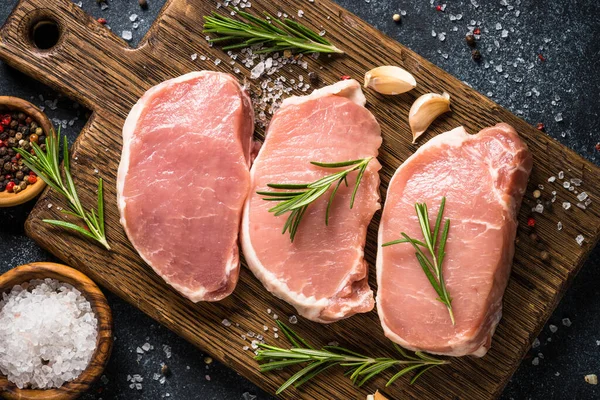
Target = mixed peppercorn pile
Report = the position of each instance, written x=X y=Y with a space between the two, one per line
x=17 y=130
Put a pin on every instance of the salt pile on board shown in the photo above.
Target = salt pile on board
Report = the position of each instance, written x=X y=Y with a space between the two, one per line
x=48 y=334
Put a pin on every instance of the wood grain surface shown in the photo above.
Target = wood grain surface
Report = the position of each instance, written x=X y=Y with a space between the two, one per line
x=98 y=69
x=62 y=273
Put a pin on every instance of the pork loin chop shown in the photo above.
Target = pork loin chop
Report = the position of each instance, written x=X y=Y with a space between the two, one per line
x=183 y=179
x=483 y=178
x=322 y=272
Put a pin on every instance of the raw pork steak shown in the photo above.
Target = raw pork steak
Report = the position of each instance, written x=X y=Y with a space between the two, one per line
x=323 y=272
x=183 y=179
x=483 y=177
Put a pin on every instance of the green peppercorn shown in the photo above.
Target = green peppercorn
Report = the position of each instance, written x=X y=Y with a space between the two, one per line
x=33 y=125
x=16 y=189
x=23 y=185
x=39 y=131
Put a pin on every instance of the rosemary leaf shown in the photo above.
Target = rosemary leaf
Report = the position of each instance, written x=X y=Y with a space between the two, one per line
x=296 y=202
x=432 y=268
x=270 y=32
x=359 y=368
x=46 y=165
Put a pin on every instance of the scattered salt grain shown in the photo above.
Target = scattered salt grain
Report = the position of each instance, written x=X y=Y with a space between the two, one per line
x=539 y=208
x=559 y=226
x=551 y=179
x=207 y=377
x=139 y=350
x=535 y=361
x=146 y=346
x=561 y=175
x=300 y=13
x=226 y=323
x=553 y=328
x=536 y=343
x=248 y=396
x=194 y=57
x=566 y=184
x=167 y=350
x=582 y=196
x=558 y=117
x=566 y=322
x=275 y=316
x=48 y=334
x=276 y=335
x=127 y=35
x=293 y=319
x=579 y=239
x=566 y=205
x=133 y=17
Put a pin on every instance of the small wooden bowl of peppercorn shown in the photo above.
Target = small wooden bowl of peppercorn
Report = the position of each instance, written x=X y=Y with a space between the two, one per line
x=104 y=340
x=20 y=123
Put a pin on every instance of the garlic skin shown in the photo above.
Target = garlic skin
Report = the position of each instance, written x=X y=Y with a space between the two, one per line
x=425 y=110
x=390 y=80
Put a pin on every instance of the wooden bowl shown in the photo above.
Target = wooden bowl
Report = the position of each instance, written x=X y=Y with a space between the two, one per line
x=92 y=293
x=17 y=104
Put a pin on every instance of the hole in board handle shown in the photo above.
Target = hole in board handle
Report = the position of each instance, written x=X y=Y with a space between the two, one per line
x=45 y=34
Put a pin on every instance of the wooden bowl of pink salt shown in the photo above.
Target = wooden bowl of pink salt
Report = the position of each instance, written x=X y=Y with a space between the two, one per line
x=55 y=332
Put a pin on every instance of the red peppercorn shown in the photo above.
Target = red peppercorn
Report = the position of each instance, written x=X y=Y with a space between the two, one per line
x=1 y=129
x=102 y=21
x=439 y=8
x=345 y=77
x=598 y=146
x=31 y=179
x=8 y=176
x=18 y=156
x=541 y=57
x=10 y=186
x=540 y=126
x=31 y=173
x=477 y=31
x=6 y=120
x=530 y=222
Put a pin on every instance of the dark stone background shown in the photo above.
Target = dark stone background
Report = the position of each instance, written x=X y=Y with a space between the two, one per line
x=565 y=32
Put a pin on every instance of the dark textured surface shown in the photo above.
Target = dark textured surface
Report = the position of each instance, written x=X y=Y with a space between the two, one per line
x=565 y=83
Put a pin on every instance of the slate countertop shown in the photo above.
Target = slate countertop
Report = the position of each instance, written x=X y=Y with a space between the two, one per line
x=540 y=60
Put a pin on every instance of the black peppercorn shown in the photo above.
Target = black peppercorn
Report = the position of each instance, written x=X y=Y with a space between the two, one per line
x=533 y=237
x=314 y=78
x=43 y=147
x=3 y=151
x=2 y=186
x=470 y=39
x=476 y=55
x=14 y=124
x=10 y=153
x=7 y=167
x=143 y=4
x=41 y=139
x=25 y=131
x=12 y=142
x=21 y=116
x=19 y=175
x=545 y=255
x=548 y=205
x=25 y=170
x=3 y=135
x=12 y=133
x=2 y=178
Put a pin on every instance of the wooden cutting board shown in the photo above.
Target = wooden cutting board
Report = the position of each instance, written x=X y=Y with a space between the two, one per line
x=95 y=67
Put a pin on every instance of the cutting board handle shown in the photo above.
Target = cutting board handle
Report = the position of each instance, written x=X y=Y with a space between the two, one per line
x=59 y=44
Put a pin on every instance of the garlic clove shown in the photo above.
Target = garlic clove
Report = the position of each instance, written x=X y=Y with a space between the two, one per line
x=376 y=396
x=425 y=110
x=390 y=80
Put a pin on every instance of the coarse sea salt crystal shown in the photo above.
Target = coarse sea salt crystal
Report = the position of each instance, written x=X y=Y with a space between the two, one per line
x=552 y=179
x=566 y=205
x=559 y=226
x=553 y=328
x=127 y=35
x=579 y=239
x=561 y=175
x=536 y=343
x=566 y=322
x=48 y=334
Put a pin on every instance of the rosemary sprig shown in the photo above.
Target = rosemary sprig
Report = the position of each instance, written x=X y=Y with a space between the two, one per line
x=359 y=368
x=46 y=165
x=269 y=32
x=432 y=267
x=297 y=201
